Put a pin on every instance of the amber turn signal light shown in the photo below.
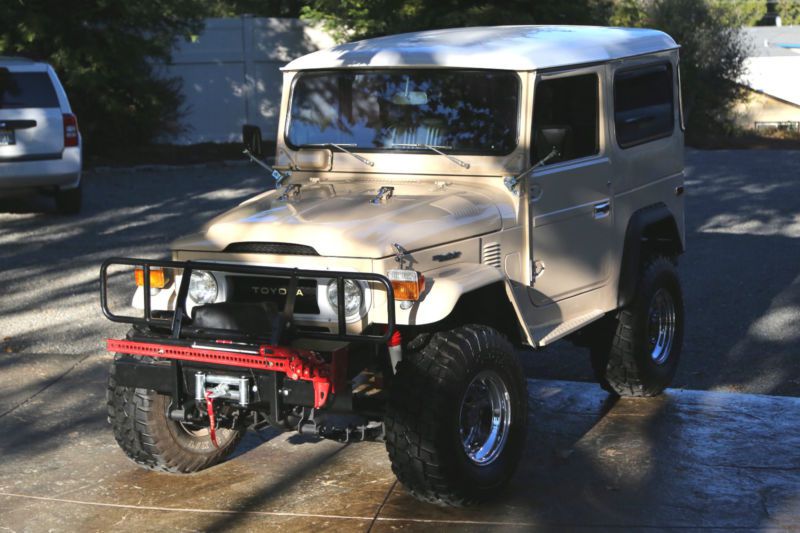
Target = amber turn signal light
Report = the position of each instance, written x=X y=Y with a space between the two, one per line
x=158 y=277
x=407 y=284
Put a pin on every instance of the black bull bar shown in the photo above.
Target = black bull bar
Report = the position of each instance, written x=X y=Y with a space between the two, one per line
x=177 y=323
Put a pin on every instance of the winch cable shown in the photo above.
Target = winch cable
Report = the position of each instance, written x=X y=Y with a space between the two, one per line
x=212 y=421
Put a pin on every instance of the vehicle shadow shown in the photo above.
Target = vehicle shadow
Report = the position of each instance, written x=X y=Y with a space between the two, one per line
x=681 y=460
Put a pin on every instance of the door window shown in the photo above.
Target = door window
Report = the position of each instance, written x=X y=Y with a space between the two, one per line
x=565 y=117
x=643 y=104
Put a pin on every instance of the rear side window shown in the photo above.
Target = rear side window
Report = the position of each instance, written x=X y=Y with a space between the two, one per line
x=26 y=89
x=643 y=104
x=565 y=117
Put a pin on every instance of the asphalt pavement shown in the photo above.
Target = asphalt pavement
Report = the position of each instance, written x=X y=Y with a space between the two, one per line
x=689 y=459
x=741 y=273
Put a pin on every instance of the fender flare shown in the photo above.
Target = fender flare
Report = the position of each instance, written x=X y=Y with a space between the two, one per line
x=646 y=217
x=444 y=287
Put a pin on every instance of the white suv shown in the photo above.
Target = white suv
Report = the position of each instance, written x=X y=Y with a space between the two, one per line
x=40 y=145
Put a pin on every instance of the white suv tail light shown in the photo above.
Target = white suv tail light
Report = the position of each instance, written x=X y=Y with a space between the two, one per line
x=70 y=130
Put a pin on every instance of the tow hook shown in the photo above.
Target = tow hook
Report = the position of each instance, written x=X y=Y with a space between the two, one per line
x=212 y=420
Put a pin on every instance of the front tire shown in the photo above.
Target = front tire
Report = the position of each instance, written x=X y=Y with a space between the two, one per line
x=154 y=441
x=638 y=352
x=456 y=418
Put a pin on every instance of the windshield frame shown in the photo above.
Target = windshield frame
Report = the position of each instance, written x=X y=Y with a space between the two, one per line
x=287 y=116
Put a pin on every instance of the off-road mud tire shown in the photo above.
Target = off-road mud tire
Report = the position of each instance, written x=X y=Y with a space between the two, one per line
x=151 y=440
x=620 y=356
x=423 y=416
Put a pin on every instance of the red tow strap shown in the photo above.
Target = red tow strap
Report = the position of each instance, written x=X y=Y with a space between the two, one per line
x=212 y=421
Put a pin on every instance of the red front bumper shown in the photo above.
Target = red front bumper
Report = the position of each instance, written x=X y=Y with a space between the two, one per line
x=306 y=365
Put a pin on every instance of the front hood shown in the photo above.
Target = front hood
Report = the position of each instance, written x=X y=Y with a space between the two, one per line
x=338 y=219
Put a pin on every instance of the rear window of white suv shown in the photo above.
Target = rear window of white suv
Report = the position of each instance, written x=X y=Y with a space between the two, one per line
x=26 y=89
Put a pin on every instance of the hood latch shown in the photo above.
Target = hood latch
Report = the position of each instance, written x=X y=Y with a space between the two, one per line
x=292 y=191
x=384 y=193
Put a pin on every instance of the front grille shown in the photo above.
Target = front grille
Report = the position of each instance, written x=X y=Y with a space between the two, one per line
x=276 y=248
x=258 y=289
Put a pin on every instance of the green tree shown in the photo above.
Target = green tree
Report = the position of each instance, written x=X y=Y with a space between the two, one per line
x=355 y=19
x=739 y=12
x=107 y=54
x=259 y=8
x=628 y=13
x=789 y=11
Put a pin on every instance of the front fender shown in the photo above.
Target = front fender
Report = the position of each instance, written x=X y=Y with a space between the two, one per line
x=443 y=288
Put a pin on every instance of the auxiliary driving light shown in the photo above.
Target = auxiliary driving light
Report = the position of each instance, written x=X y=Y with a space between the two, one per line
x=159 y=278
x=407 y=284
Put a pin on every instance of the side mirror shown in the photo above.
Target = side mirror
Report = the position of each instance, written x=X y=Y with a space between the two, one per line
x=251 y=137
x=554 y=137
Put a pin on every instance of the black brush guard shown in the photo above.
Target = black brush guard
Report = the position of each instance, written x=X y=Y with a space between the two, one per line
x=180 y=330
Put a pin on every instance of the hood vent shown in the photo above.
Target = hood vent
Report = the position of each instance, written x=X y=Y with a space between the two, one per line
x=275 y=248
x=490 y=254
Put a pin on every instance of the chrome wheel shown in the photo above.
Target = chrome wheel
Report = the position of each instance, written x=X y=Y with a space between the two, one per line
x=661 y=326
x=485 y=417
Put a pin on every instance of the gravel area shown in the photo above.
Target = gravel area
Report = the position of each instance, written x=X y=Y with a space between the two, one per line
x=741 y=272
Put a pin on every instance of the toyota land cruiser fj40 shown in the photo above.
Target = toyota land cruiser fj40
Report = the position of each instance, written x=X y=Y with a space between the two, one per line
x=442 y=199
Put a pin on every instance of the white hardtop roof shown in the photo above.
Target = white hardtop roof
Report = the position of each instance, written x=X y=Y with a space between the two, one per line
x=493 y=47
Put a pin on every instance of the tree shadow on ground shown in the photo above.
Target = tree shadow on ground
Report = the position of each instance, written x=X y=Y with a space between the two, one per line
x=741 y=279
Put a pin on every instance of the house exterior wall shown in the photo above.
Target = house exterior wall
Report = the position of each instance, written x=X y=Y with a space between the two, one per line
x=231 y=75
x=762 y=108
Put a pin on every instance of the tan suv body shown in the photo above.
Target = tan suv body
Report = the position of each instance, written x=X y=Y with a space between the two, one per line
x=529 y=179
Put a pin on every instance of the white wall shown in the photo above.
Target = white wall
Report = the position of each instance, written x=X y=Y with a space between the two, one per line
x=231 y=75
x=775 y=76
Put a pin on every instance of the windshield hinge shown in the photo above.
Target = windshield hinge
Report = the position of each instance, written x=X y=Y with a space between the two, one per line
x=511 y=183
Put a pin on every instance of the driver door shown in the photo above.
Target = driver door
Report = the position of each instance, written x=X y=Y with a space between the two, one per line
x=571 y=201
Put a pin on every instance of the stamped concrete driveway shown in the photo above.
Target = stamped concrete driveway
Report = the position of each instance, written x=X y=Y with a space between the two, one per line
x=689 y=459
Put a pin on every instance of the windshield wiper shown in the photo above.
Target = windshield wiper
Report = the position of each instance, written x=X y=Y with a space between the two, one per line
x=512 y=181
x=345 y=150
x=276 y=175
x=433 y=148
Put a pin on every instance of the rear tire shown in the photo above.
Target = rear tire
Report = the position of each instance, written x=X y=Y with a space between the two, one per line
x=456 y=418
x=637 y=353
x=154 y=441
x=69 y=201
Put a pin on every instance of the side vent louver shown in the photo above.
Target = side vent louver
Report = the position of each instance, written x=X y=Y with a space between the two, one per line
x=490 y=254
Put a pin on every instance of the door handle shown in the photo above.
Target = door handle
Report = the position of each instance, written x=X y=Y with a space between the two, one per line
x=602 y=210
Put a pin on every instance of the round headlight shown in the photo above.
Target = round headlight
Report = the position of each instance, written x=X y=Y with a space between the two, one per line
x=352 y=296
x=202 y=287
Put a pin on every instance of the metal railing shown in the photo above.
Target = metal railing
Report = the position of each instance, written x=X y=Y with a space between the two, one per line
x=789 y=125
x=178 y=327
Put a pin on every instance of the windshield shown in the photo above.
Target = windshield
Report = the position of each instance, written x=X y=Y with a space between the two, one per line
x=465 y=111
